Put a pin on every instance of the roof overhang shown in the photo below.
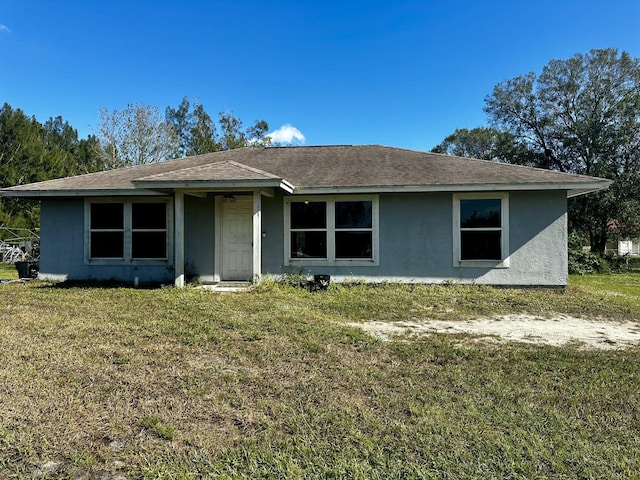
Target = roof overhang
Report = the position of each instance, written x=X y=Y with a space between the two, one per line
x=214 y=185
x=27 y=193
x=572 y=189
x=153 y=188
x=165 y=187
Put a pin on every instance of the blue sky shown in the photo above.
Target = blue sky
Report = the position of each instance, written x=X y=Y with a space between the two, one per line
x=402 y=73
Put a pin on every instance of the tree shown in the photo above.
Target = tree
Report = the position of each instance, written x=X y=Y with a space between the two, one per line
x=67 y=155
x=21 y=147
x=135 y=136
x=197 y=132
x=180 y=121
x=257 y=134
x=32 y=152
x=21 y=155
x=581 y=115
x=193 y=127
x=485 y=143
x=202 y=132
x=233 y=136
x=87 y=155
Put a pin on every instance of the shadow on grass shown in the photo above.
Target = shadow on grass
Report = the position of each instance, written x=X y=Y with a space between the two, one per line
x=102 y=284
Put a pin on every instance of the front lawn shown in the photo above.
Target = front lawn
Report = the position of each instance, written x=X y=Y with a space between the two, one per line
x=186 y=383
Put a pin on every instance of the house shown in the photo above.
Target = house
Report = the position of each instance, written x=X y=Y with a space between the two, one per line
x=626 y=247
x=368 y=212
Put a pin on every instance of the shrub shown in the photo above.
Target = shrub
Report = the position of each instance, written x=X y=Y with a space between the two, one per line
x=583 y=262
x=297 y=279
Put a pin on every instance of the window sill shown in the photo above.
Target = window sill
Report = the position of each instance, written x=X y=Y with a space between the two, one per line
x=308 y=262
x=123 y=262
x=482 y=263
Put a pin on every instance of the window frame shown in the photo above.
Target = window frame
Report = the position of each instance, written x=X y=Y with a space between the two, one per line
x=128 y=230
x=331 y=230
x=324 y=229
x=504 y=261
x=120 y=230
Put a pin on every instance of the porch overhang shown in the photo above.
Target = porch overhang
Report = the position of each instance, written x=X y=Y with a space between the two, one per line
x=255 y=196
x=237 y=185
x=219 y=176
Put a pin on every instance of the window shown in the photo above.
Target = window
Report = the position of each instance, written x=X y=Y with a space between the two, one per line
x=331 y=231
x=148 y=230
x=126 y=231
x=308 y=230
x=480 y=232
x=107 y=230
x=354 y=229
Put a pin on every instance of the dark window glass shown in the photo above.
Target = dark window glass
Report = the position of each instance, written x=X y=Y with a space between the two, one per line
x=480 y=245
x=353 y=215
x=353 y=244
x=149 y=216
x=308 y=215
x=148 y=245
x=107 y=244
x=107 y=216
x=308 y=244
x=480 y=213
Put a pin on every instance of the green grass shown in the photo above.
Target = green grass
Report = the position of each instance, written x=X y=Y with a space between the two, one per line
x=627 y=284
x=186 y=383
x=8 y=271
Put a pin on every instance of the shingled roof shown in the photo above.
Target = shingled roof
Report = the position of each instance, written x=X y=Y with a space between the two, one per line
x=325 y=169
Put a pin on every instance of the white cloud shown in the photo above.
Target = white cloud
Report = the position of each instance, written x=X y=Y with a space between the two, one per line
x=4 y=28
x=287 y=134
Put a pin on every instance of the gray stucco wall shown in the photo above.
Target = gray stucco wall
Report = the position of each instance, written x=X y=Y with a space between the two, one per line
x=199 y=240
x=416 y=238
x=61 y=238
x=62 y=244
x=415 y=243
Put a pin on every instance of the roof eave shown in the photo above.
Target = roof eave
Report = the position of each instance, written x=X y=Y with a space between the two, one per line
x=575 y=192
x=213 y=185
x=119 y=192
x=156 y=187
x=572 y=189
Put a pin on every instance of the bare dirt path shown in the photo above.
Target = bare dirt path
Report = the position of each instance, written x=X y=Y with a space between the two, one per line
x=558 y=330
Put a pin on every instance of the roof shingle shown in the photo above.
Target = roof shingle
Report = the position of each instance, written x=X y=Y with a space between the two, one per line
x=316 y=168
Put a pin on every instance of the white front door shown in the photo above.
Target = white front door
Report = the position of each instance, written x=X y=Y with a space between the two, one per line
x=237 y=239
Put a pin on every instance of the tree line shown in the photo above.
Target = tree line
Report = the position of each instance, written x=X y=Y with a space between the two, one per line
x=139 y=134
x=580 y=115
x=31 y=151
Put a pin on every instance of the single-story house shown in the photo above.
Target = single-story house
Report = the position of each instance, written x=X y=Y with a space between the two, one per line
x=368 y=213
x=623 y=247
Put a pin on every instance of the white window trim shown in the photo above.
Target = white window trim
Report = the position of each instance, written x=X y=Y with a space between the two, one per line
x=504 y=227
x=127 y=260
x=331 y=259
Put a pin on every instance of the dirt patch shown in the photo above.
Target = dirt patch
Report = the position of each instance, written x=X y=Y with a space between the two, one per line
x=558 y=330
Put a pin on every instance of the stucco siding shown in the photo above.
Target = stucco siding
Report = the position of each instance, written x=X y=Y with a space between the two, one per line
x=62 y=238
x=415 y=236
x=538 y=238
x=199 y=240
x=62 y=250
x=273 y=235
x=416 y=242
